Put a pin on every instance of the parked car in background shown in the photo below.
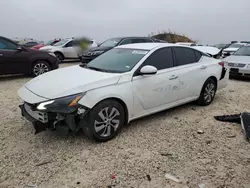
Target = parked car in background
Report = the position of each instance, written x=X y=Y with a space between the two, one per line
x=49 y=43
x=123 y=84
x=158 y=40
x=186 y=43
x=247 y=42
x=65 y=49
x=222 y=46
x=30 y=44
x=111 y=43
x=239 y=62
x=16 y=59
x=231 y=49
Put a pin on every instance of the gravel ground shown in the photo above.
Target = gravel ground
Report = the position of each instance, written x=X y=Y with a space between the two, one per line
x=147 y=149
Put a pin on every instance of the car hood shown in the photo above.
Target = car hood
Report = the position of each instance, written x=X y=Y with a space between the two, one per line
x=230 y=49
x=208 y=49
x=69 y=81
x=238 y=59
x=99 y=49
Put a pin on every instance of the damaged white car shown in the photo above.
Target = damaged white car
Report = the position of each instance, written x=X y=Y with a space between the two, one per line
x=123 y=84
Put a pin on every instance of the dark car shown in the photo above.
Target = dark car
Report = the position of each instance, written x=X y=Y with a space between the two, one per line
x=111 y=43
x=222 y=46
x=16 y=59
x=30 y=44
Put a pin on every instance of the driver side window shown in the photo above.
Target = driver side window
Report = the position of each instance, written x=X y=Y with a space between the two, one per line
x=69 y=44
x=6 y=45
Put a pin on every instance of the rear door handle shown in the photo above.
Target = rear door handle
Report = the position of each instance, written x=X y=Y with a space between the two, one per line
x=173 y=77
x=203 y=67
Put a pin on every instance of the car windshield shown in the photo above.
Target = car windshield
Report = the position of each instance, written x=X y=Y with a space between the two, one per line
x=49 y=42
x=220 y=46
x=117 y=60
x=243 y=51
x=235 y=45
x=111 y=42
x=62 y=42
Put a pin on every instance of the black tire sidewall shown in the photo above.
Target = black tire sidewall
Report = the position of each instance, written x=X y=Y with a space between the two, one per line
x=90 y=130
x=37 y=62
x=59 y=56
x=201 y=99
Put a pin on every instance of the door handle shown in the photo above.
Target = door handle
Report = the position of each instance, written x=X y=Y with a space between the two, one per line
x=203 y=67
x=173 y=77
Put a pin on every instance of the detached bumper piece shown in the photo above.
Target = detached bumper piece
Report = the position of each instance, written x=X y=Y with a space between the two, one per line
x=242 y=118
x=61 y=123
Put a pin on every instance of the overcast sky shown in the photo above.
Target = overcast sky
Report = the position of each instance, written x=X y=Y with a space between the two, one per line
x=209 y=21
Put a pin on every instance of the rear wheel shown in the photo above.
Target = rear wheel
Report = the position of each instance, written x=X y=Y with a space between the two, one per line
x=40 y=67
x=105 y=121
x=208 y=92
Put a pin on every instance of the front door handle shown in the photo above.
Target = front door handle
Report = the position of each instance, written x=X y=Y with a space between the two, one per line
x=173 y=77
x=203 y=67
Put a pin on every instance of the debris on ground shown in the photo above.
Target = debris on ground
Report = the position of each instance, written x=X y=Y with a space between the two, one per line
x=200 y=131
x=172 y=178
x=148 y=177
x=43 y=163
x=201 y=185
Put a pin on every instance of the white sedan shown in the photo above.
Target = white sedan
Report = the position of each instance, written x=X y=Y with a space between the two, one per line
x=123 y=84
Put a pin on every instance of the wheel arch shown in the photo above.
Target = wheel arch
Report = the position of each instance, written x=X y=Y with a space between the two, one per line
x=59 y=52
x=211 y=77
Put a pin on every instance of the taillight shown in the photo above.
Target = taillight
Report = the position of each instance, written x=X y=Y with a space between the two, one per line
x=222 y=64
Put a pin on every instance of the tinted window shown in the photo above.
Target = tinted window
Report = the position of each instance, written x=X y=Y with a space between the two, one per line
x=184 y=56
x=70 y=44
x=161 y=59
x=197 y=55
x=126 y=41
x=6 y=45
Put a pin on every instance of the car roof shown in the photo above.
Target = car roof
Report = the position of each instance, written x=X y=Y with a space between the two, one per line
x=149 y=46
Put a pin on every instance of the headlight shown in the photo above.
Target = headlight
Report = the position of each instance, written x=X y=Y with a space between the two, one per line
x=52 y=54
x=62 y=105
x=248 y=66
x=97 y=52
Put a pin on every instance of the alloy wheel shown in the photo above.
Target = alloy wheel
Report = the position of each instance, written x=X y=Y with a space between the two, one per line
x=40 y=68
x=209 y=92
x=108 y=122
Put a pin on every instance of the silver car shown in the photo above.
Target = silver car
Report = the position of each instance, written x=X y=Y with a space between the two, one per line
x=239 y=62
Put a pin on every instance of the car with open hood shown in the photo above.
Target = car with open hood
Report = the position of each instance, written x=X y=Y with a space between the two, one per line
x=123 y=84
x=239 y=62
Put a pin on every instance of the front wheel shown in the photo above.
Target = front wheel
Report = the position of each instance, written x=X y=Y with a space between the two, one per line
x=40 y=67
x=208 y=92
x=104 y=121
x=59 y=56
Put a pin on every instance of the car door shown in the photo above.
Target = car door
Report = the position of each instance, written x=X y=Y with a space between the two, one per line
x=161 y=88
x=69 y=50
x=191 y=72
x=12 y=61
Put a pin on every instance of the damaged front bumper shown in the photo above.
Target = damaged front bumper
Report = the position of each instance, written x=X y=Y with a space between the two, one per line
x=61 y=122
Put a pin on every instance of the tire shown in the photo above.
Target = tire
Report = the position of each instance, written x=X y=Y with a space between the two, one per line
x=208 y=92
x=40 y=67
x=99 y=126
x=59 y=56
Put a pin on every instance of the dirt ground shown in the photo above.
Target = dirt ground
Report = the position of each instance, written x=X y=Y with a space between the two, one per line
x=139 y=157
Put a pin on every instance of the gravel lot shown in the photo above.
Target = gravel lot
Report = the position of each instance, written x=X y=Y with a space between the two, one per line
x=140 y=156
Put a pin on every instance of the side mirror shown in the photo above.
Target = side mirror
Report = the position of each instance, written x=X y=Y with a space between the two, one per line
x=19 y=48
x=148 y=70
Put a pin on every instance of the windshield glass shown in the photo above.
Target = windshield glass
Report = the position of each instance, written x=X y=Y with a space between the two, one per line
x=243 y=51
x=62 y=42
x=49 y=42
x=111 y=42
x=220 y=46
x=235 y=45
x=117 y=60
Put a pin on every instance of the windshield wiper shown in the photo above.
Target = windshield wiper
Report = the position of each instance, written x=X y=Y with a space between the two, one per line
x=93 y=68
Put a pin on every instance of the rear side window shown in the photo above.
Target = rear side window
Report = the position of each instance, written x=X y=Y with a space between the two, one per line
x=198 y=55
x=184 y=56
x=161 y=59
x=69 y=44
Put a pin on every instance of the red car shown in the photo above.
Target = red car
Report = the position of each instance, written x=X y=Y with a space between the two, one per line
x=49 y=43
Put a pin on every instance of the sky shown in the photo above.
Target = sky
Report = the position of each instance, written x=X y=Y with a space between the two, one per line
x=207 y=21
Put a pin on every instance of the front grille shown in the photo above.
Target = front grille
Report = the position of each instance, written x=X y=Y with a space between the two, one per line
x=236 y=65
